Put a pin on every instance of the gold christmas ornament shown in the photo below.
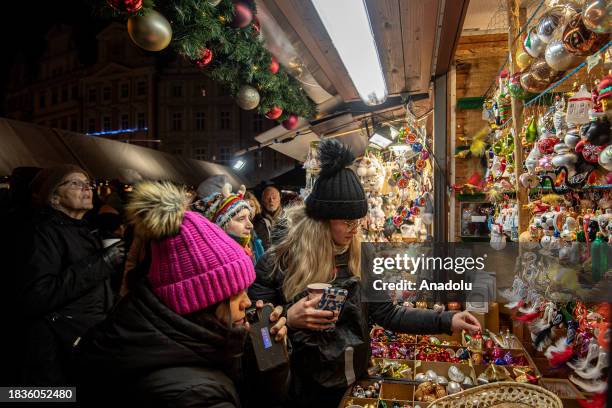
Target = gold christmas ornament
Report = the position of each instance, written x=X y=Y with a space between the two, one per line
x=151 y=32
x=541 y=71
x=523 y=60
x=247 y=97
x=530 y=84
x=597 y=16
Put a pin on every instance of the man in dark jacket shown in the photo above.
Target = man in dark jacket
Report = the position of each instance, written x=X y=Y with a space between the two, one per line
x=271 y=211
x=63 y=286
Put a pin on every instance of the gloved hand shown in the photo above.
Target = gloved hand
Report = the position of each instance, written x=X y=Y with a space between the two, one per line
x=114 y=255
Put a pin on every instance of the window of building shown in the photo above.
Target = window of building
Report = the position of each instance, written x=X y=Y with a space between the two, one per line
x=200 y=120
x=200 y=153
x=141 y=121
x=54 y=96
x=106 y=93
x=91 y=125
x=92 y=95
x=75 y=93
x=224 y=154
x=177 y=90
x=125 y=90
x=74 y=124
x=177 y=151
x=224 y=120
x=42 y=100
x=257 y=123
x=106 y=123
x=141 y=88
x=125 y=121
x=65 y=94
x=177 y=121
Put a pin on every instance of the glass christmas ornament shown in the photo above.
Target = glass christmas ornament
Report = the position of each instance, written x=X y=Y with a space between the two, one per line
x=559 y=58
x=578 y=107
x=597 y=16
x=533 y=44
x=581 y=41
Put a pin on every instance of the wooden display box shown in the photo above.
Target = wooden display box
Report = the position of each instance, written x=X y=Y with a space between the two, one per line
x=362 y=402
x=397 y=392
x=409 y=363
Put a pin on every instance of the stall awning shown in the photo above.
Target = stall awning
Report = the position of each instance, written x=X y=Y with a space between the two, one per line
x=24 y=144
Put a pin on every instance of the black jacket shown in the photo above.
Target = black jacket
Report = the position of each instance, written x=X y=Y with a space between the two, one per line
x=62 y=288
x=324 y=361
x=157 y=358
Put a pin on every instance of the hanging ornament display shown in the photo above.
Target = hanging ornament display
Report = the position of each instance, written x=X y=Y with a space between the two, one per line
x=597 y=16
x=247 y=97
x=578 y=107
x=531 y=133
x=541 y=71
x=242 y=15
x=533 y=44
x=523 y=60
x=548 y=24
x=530 y=84
x=151 y=32
x=559 y=58
x=274 y=113
x=514 y=87
x=125 y=6
x=291 y=122
x=581 y=41
x=274 y=66
x=206 y=57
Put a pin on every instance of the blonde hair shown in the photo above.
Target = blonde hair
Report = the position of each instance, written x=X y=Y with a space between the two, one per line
x=256 y=206
x=305 y=254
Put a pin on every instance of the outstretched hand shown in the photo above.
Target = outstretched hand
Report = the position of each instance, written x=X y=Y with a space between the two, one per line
x=465 y=321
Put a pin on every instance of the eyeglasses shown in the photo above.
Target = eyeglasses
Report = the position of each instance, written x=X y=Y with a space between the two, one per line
x=352 y=224
x=79 y=184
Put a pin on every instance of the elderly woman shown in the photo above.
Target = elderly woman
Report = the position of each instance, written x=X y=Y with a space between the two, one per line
x=64 y=286
x=233 y=214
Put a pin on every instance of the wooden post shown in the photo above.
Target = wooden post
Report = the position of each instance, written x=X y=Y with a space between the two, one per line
x=516 y=20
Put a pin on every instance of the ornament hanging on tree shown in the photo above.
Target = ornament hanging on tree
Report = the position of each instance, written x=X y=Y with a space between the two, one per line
x=206 y=57
x=247 y=97
x=274 y=66
x=597 y=16
x=581 y=41
x=151 y=32
x=274 y=113
x=242 y=15
x=291 y=122
x=125 y=6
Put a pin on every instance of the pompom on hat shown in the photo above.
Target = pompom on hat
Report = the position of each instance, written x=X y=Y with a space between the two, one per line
x=194 y=263
x=337 y=192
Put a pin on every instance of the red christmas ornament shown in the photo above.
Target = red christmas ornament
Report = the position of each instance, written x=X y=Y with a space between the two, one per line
x=242 y=15
x=291 y=122
x=274 y=113
x=125 y=6
x=274 y=66
x=546 y=145
x=206 y=57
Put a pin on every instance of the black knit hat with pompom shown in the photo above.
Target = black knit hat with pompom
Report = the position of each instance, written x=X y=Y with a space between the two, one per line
x=337 y=193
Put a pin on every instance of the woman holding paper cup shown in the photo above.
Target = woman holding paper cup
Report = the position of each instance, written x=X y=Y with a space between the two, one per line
x=322 y=245
x=63 y=287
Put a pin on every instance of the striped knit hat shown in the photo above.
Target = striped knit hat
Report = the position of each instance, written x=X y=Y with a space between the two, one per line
x=220 y=208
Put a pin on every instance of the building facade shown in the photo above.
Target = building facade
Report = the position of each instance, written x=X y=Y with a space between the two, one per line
x=156 y=100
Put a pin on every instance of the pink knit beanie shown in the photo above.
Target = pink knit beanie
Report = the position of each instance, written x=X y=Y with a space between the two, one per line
x=194 y=263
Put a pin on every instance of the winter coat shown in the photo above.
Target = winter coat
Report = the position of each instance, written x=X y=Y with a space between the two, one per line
x=263 y=224
x=325 y=363
x=157 y=358
x=62 y=289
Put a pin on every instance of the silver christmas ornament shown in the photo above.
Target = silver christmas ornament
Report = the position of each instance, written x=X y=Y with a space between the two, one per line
x=558 y=58
x=453 y=387
x=247 y=97
x=455 y=374
x=442 y=380
x=547 y=25
x=431 y=375
x=420 y=377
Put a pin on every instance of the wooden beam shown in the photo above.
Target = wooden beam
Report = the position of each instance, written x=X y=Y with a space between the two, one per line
x=418 y=21
x=387 y=29
x=306 y=22
x=452 y=23
x=516 y=19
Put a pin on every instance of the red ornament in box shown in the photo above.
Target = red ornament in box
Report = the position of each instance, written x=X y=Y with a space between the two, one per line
x=274 y=66
x=242 y=15
x=291 y=122
x=274 y=113
x=125 y=6
x=206 y=57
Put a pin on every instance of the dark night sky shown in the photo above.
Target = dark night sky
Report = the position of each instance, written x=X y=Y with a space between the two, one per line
x=24 y=25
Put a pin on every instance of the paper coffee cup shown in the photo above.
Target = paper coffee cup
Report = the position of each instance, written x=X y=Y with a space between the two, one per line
x=109 y=242
x=316 y=290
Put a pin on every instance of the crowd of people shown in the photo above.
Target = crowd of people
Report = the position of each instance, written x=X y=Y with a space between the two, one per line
x=145 y=292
